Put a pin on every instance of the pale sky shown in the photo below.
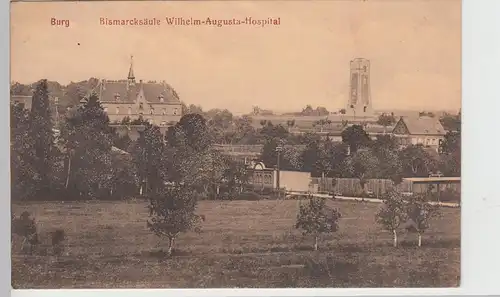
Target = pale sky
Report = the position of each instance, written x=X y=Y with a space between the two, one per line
x=414 y=47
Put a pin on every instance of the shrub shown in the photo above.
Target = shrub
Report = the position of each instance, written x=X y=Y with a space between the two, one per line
x=57 y=238
x=25 y=226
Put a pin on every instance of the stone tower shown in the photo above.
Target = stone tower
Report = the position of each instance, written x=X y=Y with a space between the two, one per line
x=360 y=102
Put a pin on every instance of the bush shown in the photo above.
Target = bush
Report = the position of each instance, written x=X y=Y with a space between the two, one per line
x=25 y=226
x=57 y=238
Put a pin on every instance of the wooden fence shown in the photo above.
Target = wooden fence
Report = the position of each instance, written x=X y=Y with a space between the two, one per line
x=352 y=186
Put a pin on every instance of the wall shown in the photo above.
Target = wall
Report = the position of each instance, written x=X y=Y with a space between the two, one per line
x=160 y=114
x=295 y=180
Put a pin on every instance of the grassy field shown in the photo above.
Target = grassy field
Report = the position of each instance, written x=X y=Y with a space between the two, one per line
x=242 y=244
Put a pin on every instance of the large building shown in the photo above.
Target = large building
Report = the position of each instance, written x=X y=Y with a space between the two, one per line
x=360 y=102
x=156 y=102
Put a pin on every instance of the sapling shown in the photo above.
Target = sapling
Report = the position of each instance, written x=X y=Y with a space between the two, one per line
x=316 y=218
x=172 y=211
x=419 y=212
x=392 y=214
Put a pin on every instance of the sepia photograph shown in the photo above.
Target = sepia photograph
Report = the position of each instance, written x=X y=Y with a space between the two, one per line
x=235 y=144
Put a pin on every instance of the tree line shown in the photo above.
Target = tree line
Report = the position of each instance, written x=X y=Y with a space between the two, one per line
x=81 y=160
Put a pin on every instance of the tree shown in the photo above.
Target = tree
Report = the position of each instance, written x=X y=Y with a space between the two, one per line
x=416 y=161
x=87 y=139
x=386 y=120
x=245 y=132
x=23 y=176
x=42 y=136
x=316 y=218
x=365 y=166
x=392 y=214
x=191 y=130
x=172 y=211
x=356 y=137
x=419 y=212
x=147 y=156
x=322 y=123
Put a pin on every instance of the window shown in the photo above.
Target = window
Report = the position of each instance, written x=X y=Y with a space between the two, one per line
x=105 y=109
x=129 y=110
x=164 y=111
x=163 y=123
x=175 y=111
x=141 y=107
x=117 y=110
x=152 y=111
x=162 y=99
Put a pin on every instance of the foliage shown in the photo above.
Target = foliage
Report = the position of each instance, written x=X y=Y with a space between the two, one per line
x=41 y=136
x=416 y=161
x=392 y=213
x=420 y=212
x=316 y=218
x=147 y=155
x=386 y=120
x=355 y=136
x=87 y=139
x=25 y=226
x=57 y=238
x=172 y=211
x=24 y=178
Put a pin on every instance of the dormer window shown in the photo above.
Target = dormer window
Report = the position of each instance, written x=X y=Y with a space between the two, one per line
x=162 y=98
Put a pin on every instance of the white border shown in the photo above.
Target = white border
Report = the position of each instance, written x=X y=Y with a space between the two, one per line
x=481 y=197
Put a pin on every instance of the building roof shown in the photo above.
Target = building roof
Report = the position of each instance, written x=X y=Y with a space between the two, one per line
x=423 y=125
x=127 y=93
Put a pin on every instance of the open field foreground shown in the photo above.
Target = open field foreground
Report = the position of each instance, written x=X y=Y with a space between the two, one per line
x=242 y=244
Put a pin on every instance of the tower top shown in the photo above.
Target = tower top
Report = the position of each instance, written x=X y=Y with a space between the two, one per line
x=131 y=70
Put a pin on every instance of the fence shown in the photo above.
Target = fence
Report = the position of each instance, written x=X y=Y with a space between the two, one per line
x=352 y=186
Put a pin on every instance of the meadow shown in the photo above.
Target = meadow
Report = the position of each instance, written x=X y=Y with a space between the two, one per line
x=242 y=244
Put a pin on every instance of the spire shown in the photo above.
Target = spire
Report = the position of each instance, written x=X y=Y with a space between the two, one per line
x=131 y=77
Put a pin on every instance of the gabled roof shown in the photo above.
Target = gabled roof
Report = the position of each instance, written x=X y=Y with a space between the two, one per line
x=108 y=90
x=423 y=125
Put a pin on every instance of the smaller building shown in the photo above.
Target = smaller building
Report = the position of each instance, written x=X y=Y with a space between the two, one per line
x=426 y=131
x=262 y=178
x=24 y=101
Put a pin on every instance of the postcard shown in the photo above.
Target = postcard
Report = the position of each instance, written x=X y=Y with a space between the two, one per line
x=235 y=144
